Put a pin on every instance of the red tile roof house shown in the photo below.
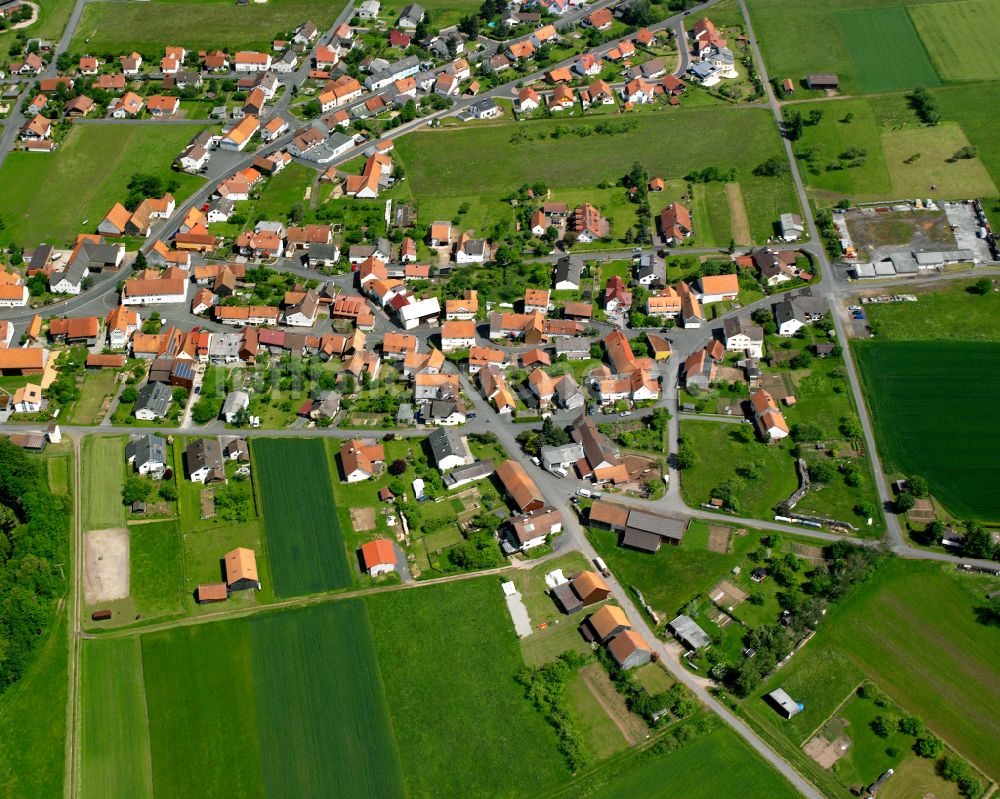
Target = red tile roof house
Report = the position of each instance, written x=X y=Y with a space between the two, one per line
x=379 y=557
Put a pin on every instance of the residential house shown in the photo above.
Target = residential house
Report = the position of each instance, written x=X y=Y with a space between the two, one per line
x=233 y=405
x=617 y=297
x=742 y=336
x=449 y=449
x=378 y=557
x=568 y=273
x=717 y=288
x=359 y=459
x=675 y=223
x=120 y=324
x=699 y=369
x=148 y=454
x=203 y=461
x=792 y=227
x=153 y=402
x=588 y=224
x=458 y=335
x=767 y=417
x=529 y=530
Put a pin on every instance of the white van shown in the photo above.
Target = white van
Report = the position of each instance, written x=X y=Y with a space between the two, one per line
x=584 y=492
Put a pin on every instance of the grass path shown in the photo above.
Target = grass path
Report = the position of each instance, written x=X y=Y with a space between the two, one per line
x=738 y=213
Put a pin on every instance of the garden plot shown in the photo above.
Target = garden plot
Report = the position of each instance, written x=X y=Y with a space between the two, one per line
x=106 y=569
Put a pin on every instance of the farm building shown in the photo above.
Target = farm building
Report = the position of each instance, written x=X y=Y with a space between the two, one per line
x=689 y=633
x=783 y=703
x=587 y=588
x=241 y=569
x=607 y=622
x=629 y=649
x=519 y=486
x=379 y=557
x=822 y=81
x=212 y=592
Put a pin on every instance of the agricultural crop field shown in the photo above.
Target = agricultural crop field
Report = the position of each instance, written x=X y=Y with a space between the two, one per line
x=146 y=27
x=449 y=656
x=506 y=155
x=913 y=631
x=103 y=474
x=960 y=38
x=294 y=698
x=822 y=32
x=115 y=746
x=886 y=52
x=304 y=539
x=93 y=167
x=933 y=419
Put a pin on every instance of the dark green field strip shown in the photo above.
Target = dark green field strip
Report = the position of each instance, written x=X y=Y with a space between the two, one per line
x=203 y=712
x=304 y=539
x=321 y=713
x=934 y=409
x=886 y=51
x=449 y=659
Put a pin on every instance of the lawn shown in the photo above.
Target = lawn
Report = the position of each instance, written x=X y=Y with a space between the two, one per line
x=283 y=191
x=441 y=12
x=33 y=723
x=913 y=631
x=845 y=125
x=156 y=578
x=113 y=27
x=92 y=167
x=908 y=387
x=674 y=575
x=114 y=730
x=959 y=39
x=304 y=540
x=721 y=451
x=885 y=50
x=506 y=155
x=58 y=467
x=497 y=743
x=948 y=313
x=103 y=475
x=715 y=764
x=600 y=734
x=97 y=386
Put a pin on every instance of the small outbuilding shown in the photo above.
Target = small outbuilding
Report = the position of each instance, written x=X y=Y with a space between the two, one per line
x=686 y=630
x=629 y=650
x=783 y=703
x=212 y=592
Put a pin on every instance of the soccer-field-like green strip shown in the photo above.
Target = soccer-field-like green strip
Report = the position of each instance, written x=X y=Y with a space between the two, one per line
x=449 y=661
x=202 y=712
x=103 y=475
x=115 y=736
x=934 y=410
x=322 y=716
x=885 y=49
x=304 y=539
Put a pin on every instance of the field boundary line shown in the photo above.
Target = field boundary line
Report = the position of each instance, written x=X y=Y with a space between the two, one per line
x=851 y=694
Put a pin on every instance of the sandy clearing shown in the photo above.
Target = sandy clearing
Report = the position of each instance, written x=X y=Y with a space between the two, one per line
x=106 y=565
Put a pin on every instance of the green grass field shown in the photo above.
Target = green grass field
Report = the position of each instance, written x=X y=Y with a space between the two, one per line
x=949 y=313
x=103 y=475
x=33 y=723
x=972 y=106
x=721 y=453
x=713 y=765
x=885 y=50
x=156 y=568
x=923 y=426
x=304 y=541
x=601 y=735
x=448 y=657
x=92 y=167
x=146 y=27
x=96 y=387
x=115 y=734
x=959 y=39
x=441 y=12
x=437 y=162
x=913 y=631
x=674 y=575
